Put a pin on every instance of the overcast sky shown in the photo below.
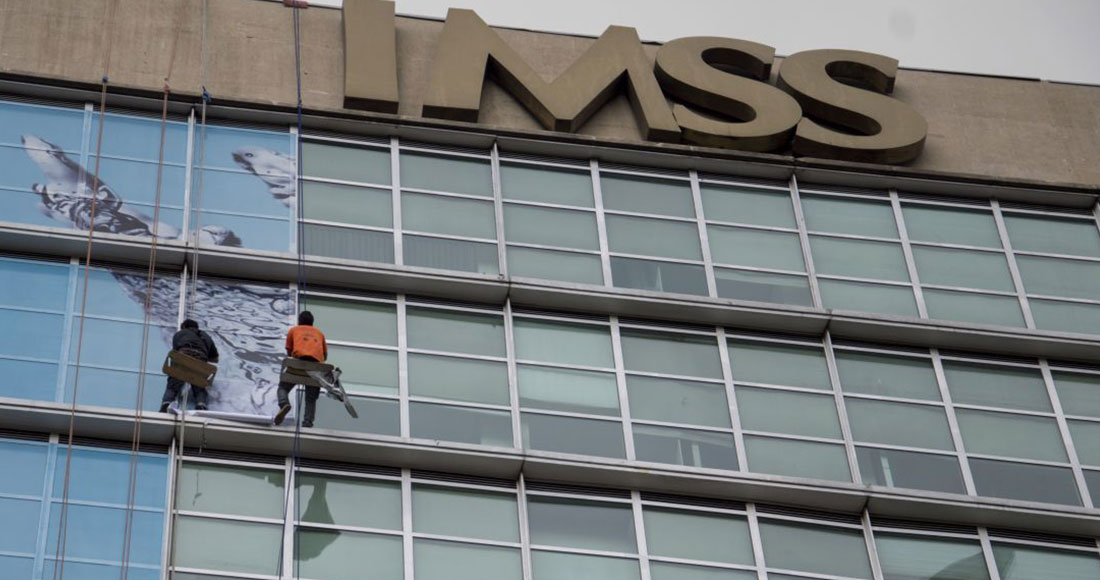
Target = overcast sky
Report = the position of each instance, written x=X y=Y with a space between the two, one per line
x=1056 y=40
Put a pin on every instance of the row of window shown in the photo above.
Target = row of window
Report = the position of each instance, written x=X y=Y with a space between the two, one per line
x=976 y=262
x=698 y=397
x=401 y=524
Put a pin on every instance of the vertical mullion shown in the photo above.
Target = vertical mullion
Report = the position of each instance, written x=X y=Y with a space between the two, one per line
x=757 y=545
x=704 y=238
x=395 y=188
x=907 y=249
x=524 y=528
x=49 y=476
x=987 y=551
x=181 y=311
x=731 y=401
x=498 y=209
x=1067 y=438
x=170 y=501
x=407 y=523
x=1013 y=268
x=290 y=519
x=403 y=366
x=872 y=549
x=601 y=223
x=953 y=422
x=296 y=219
x=188 y=177
x=804 y=238
x=620 y=381
x=62 y=387
x=841 y=409
x=639 y=533
x=85 y=143
x=513 y=381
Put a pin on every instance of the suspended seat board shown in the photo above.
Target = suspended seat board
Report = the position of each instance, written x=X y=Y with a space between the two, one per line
x=315 y=374
x=189 y=369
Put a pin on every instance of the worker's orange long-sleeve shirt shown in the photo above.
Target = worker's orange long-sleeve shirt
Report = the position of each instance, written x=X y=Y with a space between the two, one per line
x=307 y=341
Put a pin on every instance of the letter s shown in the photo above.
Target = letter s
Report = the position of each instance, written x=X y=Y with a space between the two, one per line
x=883 y=129
x=688 y=69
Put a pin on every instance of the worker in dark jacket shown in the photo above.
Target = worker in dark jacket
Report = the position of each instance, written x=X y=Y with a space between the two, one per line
x=195 y=343
x=303 y=342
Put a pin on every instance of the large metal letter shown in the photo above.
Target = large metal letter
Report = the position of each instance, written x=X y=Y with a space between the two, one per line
x=688 y=69
x=468 y=50
x=885 y=130
x=370 y=56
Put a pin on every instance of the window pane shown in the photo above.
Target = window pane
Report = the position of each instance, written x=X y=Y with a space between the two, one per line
x=257 y=233
x=1086 y=440
x=676 y=401
x=371 y=165
x=339 y=555
x=460 y=424
x=1024 y=482
x=557 y=566
x=859 y=259
x=763 y=287
x=1059 y=277
x=788 y=412
x=666 y=571
x=755 y=248
x=658 y=276
x=96 y=533
x=449 y=331
x=444 y=173
x=572 y=435
x=1026 y=562
x=560 y=342
x=230 y=490
x=588 y=525
x=860 y=296
x=445 y=254
x=684 y=447
x=325 y=499
x=436 y=214
x=230 y=546
x=676 y=354
x=103 y=476
x=24 y=466
x=797 y=458
x=965 y=268
x=747 y=205
x=33 y=285
x=698 y=536
x=475 y=381
x=365 y=322
x=645 y=195
x=1092 y=481
x=653 y=237
x=28 y=380
x=889 y=376
x=818 y=549
x=1010 y=435
x=436 y=560
x=1079 y=394
x=366 y=371
x=943 y=225
x=969 y=307
x=996 y=386
x=1065 y=316
x=376 y=416
x=843 y=215
x=567 y=390
x=779 y=364
x=364 y=206
x=19 y=533
x=347 y=243
x=546 y=185
x=551 y=227
x=465 y=513
x=894 y=468
x=553 y=265
x=1053 y=235
x=899 y=424
x=923 y=558
x=39 y=336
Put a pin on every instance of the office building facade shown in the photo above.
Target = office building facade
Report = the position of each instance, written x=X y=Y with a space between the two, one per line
x=588 y=351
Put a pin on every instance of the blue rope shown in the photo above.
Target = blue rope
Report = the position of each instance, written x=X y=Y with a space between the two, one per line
x=301 y=277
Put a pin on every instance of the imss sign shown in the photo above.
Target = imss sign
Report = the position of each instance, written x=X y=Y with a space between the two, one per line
x=828 y=103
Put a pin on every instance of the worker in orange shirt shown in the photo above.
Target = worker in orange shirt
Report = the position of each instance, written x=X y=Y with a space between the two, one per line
x=303 y=342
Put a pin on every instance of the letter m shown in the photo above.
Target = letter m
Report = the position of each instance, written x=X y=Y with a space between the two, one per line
x=468 y=50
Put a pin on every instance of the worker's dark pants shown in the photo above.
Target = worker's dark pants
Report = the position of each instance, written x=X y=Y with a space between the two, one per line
x=312 y=394
x=172 y=393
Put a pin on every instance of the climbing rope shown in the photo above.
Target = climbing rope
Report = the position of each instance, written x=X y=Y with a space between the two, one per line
x=109 y=8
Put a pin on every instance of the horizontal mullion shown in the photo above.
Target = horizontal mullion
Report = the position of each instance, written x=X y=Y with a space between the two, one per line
x=491 y=241
x=512 y=244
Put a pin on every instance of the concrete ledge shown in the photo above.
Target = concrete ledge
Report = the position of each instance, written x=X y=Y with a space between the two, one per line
x=508 y=463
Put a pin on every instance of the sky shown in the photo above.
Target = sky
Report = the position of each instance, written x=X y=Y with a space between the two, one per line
x=1055 y=40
